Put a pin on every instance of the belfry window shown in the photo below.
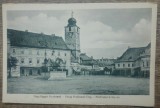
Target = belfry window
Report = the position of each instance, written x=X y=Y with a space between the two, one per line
x=69 y=28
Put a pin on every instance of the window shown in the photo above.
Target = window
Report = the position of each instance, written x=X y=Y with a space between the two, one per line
x=123 y=65
x=38 y=61
x=65 y=54
x=22 y=60
x=128 y=65
x=118 y=65
x=77 y=29
x=14 y=51
x=143 y=64
x=30 y=60
x=132 y=65
x=58 y=53
x=69 y=28
x=53 y=53
x=22 y=52
x=147 y=64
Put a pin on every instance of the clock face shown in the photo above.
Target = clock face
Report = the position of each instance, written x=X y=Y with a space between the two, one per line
x=70 y=34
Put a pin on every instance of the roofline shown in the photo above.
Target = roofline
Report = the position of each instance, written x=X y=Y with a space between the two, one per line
x=34 y=33
x=41 y=47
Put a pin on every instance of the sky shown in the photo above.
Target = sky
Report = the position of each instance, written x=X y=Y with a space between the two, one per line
x=104 y=33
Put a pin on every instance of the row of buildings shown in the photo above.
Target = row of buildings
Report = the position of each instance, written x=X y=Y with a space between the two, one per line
x=134 y=62
x=36 y=50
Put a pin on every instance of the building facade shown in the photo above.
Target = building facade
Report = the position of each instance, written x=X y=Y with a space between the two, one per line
x=134 y=62
x=31 y=50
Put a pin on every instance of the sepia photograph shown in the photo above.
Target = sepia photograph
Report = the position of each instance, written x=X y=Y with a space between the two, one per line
x=89 y=52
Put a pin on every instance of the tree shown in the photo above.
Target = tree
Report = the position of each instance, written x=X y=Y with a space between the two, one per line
x=11 y=62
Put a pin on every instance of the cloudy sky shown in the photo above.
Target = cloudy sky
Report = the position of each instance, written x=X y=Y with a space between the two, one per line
x=103 y=33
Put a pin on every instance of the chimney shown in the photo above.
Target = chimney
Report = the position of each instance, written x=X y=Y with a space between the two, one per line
x=52 y=34
x=26 y=30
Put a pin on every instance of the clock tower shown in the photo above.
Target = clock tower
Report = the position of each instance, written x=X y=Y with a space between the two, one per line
x=72 y=32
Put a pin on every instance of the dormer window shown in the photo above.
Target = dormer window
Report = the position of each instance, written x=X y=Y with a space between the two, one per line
x=130 y=58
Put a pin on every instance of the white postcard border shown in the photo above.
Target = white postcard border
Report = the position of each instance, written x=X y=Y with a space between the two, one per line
x=138 y=100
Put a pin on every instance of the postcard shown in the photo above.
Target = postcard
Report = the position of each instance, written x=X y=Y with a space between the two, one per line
x=83 y=53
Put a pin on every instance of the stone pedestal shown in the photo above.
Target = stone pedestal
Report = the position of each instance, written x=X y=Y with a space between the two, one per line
x=57 y=75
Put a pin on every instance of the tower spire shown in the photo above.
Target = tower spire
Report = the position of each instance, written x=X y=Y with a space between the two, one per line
x=72 y=14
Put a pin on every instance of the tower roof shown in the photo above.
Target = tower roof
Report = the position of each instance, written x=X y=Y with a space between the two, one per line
x=72 y=22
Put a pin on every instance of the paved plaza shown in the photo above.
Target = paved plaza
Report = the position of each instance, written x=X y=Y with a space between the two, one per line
x=102 y=85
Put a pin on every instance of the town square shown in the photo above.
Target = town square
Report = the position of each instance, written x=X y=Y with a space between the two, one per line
x=42 y=63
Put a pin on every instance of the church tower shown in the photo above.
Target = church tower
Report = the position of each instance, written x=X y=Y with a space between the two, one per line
x=72 y=39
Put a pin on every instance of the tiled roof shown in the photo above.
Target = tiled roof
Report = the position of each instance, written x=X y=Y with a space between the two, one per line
x=131 y=54
x=83 y=56
x=35 y=40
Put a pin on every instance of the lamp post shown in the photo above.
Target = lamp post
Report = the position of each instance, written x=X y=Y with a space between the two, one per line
x=45 y=60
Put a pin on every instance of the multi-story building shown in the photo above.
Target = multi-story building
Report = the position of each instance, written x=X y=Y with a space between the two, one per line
x=31 y=49
x=142 y=63
x=133 y=62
